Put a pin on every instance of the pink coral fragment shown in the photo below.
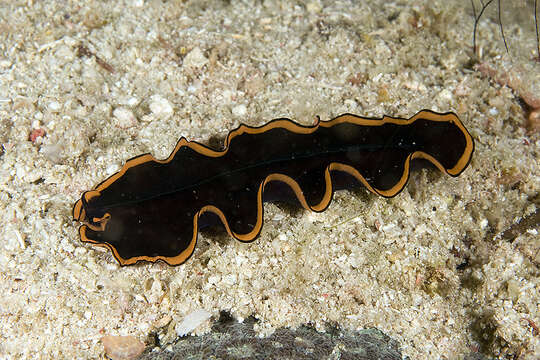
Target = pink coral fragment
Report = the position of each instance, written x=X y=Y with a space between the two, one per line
x=122 y=347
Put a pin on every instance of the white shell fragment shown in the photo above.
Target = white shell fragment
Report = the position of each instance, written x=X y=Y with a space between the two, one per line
x=192 y=321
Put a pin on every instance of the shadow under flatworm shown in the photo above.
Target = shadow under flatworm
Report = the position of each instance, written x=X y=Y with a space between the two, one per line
x=151 y=209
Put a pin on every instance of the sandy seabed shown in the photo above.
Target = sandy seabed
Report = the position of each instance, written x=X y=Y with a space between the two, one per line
x=86 y=85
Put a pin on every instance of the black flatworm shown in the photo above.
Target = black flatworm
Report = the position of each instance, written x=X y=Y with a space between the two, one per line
x=152 y=209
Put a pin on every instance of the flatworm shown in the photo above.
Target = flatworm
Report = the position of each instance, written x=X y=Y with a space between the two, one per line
x=153 y=209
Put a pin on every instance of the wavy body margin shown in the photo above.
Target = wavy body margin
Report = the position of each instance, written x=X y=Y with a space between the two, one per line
x=99 y=224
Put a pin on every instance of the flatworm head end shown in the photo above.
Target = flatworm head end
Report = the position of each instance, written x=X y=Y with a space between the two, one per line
x=447 y=145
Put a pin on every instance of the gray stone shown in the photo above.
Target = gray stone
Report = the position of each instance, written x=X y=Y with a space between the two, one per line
x=230 y=339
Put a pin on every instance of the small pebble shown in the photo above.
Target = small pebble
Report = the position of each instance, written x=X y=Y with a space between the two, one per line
x=36 y=134
x=239 y=110
x=124 y=117
x=534 y=121
x=122 y=347
x=493 y=111
x=445 y=95
x=195 y=59
x=160 y=106
x=313 y=7
x=54 y=106
x=4 y=63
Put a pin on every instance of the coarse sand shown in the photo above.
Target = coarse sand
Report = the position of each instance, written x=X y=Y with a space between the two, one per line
x=86 y=85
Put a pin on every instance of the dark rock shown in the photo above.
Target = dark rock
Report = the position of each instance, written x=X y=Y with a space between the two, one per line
x=230 y=339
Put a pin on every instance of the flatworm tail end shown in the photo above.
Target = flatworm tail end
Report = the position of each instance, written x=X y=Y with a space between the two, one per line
x=468 y=150
x=152 y=209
